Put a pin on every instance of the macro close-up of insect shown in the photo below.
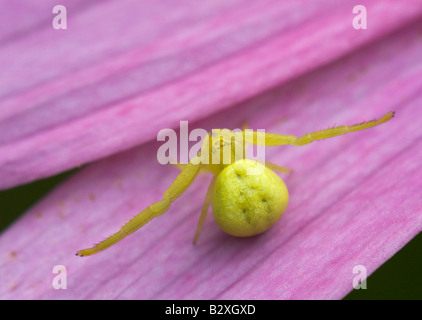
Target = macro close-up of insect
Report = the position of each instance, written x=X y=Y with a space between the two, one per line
x=181 y=150
x=247 y=196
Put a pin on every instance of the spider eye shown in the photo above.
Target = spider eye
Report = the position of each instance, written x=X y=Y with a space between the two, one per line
x=247 y=204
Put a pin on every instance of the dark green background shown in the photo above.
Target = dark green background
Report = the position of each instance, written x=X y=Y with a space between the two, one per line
x=398 y=278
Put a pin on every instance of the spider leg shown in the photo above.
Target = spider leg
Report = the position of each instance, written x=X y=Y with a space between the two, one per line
x=179 y=185
x=205 y=207
x=272 y=139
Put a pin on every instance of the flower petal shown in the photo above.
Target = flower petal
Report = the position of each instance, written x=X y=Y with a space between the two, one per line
x=109 y=82
x=355 y=199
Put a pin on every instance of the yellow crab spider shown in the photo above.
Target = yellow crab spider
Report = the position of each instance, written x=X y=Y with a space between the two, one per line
x=243 y=204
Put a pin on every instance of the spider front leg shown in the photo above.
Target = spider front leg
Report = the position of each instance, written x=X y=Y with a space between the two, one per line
x=272 y=139
x=179 y=185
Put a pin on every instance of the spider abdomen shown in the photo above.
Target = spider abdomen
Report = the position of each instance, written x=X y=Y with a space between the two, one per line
x=248 y=198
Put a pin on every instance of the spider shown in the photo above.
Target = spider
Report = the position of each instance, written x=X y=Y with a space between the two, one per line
x=247 y=196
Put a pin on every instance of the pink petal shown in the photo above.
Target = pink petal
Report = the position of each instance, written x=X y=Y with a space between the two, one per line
x=355 y=199
x=110 y=82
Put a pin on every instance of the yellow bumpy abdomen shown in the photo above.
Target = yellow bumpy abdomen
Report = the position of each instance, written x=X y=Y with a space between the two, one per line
x=248 y=198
